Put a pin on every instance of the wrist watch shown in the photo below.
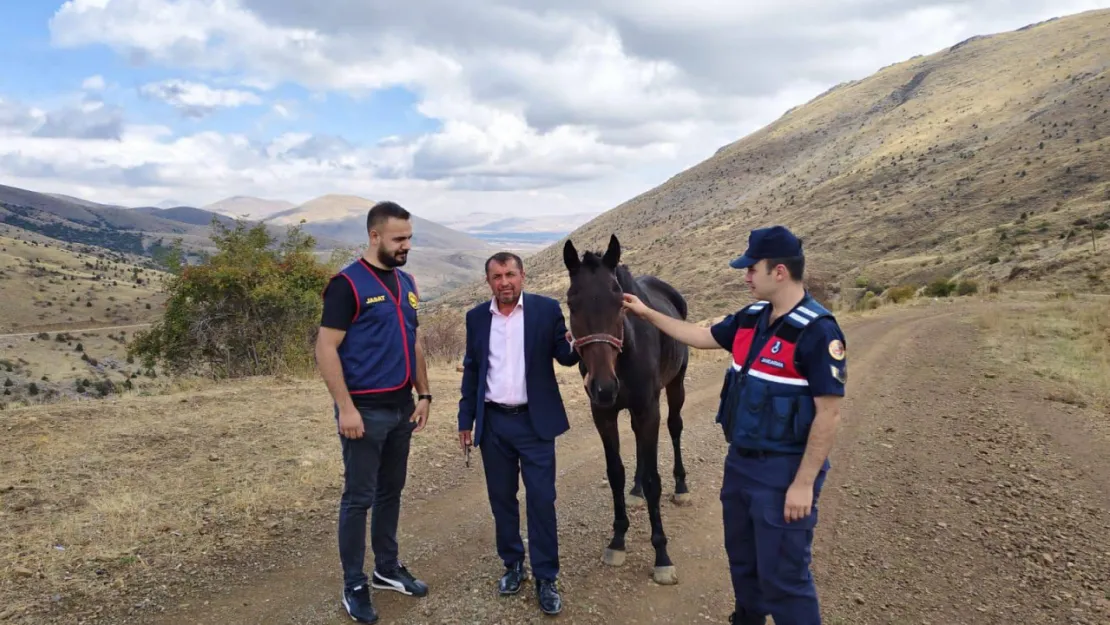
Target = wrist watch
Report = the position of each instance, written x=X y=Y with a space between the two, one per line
x=427 y=397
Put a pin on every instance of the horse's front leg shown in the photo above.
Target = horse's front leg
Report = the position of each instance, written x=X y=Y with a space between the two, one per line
x=636 y=495
x=606 y=423
x=647 y=447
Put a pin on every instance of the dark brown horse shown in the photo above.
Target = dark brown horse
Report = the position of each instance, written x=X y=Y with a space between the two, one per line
x=625 y=363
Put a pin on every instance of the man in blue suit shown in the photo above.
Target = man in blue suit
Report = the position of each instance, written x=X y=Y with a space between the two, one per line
x=511 y=401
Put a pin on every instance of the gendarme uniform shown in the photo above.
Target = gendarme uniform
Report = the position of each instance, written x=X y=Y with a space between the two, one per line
x=766 y=411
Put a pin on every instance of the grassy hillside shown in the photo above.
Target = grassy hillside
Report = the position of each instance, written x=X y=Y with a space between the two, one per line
x=983 y=161
x=49 y=284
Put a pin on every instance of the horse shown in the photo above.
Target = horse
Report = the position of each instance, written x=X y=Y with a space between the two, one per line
x=625 y=363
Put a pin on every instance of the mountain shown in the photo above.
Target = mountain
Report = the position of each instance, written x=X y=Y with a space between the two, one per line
x=344 y=217
x=247 y=207
x=443 y=259
x=985 y=160
x=520 y=232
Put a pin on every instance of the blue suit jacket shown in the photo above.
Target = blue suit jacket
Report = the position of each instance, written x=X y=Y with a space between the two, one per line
x=544 y=342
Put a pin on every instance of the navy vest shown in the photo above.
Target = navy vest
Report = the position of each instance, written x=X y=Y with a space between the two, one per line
x=378 y=352
x=766 y=404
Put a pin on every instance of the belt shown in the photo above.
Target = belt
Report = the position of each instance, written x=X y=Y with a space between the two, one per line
x=507 y=409
x=762 y=453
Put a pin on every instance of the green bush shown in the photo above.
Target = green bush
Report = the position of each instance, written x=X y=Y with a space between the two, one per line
x=251 y=308
x=940 y=287
x=967 y=287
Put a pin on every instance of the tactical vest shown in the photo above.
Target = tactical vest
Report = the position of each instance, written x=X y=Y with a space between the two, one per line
x=378 y=352
x=766 y=404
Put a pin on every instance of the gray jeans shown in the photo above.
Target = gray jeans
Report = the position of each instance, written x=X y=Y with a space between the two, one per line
x=375 y=467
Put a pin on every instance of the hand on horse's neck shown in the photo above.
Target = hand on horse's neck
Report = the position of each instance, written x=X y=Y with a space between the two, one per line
x=785 y=301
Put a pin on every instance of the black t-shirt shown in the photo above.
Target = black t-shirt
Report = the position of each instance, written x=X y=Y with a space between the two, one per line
x=339 y=311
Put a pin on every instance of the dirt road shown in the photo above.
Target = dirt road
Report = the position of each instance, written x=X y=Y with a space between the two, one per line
x=958 y=494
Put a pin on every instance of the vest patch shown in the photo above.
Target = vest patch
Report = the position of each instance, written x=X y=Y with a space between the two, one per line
x=773 y=363
x=414 y=301
x=377 y=299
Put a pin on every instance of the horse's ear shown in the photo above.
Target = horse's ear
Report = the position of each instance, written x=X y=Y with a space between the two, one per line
x=612 y=256
x=570 y=257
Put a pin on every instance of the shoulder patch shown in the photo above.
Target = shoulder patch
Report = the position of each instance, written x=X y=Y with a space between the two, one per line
x=414 y=301
x=839 y=374
x=836 y=349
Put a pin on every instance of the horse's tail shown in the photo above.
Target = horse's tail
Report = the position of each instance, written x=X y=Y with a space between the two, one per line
x=670 y=293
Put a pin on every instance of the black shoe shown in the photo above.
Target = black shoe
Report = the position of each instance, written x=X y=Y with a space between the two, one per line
x=358 y=605
x=511 y=580
x=400 y=580
x=548 y=596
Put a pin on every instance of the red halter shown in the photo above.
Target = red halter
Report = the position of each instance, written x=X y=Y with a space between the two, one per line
x=616 y=342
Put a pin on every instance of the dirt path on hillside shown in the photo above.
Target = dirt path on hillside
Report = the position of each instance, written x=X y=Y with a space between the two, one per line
x=958 y=495
x=67 y=328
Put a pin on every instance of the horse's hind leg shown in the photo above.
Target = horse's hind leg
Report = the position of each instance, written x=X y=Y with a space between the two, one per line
x=606 y=424
x=676 y=397
x=647 y=444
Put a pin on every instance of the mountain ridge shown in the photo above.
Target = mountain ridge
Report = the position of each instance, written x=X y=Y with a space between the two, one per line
x=978 y=161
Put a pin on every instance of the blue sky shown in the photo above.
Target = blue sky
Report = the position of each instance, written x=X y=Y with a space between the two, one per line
x=498 y=106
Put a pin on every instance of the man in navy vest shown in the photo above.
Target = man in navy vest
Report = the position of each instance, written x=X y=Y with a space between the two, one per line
x=779 y=410
x=371 y=358
x=511 y=401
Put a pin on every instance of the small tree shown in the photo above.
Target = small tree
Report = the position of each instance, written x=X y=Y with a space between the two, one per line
x=252 y=308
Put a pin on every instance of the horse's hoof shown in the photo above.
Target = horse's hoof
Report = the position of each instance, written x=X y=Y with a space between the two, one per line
x=613 y=557
x=665 y=575
x=681 y=499
x=636 y=502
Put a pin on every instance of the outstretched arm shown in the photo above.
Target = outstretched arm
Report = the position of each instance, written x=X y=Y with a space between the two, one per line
x=684 y=331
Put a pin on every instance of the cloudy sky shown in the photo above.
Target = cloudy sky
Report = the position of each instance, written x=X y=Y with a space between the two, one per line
x=504 y=105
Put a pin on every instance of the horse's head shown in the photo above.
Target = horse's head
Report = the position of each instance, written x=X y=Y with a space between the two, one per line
x=596 y=317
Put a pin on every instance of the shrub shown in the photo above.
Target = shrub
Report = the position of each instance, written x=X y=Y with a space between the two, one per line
x=939 y=288
x=252 y=308
x=444 y=336
x=967 y=287
x=901 y=293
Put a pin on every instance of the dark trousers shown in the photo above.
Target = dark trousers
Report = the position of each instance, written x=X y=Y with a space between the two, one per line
x=511 y=449
x=769 y=559
x=375 y=467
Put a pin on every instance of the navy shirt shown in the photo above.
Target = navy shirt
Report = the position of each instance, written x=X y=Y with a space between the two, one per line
x=816 y=354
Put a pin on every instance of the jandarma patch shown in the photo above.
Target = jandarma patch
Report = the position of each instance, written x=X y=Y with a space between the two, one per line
x=836 y=349
x=413 y=301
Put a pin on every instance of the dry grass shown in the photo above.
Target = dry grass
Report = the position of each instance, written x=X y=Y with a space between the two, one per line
x=1066 y=340
x=99 y=496
x=52 y=285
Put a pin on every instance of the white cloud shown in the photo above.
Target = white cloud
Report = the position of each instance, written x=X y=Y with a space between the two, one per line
x=195 y=99
x=574 y=106
x=93 y=83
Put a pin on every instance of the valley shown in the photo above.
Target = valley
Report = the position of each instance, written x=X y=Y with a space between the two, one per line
x=955 y=210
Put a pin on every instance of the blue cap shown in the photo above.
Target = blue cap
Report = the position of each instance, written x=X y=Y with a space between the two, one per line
x=773 y=242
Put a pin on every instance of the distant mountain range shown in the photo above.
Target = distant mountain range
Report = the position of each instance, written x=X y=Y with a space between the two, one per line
x=445 y=255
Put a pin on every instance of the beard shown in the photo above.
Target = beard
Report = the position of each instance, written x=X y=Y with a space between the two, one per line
x=507 y=297
x=392 y=260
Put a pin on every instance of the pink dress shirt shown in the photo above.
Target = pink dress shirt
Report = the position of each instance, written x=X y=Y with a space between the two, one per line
x=505 y=377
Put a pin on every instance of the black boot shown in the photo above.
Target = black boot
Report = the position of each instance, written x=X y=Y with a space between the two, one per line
x=510 y=582
x=548 y=596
